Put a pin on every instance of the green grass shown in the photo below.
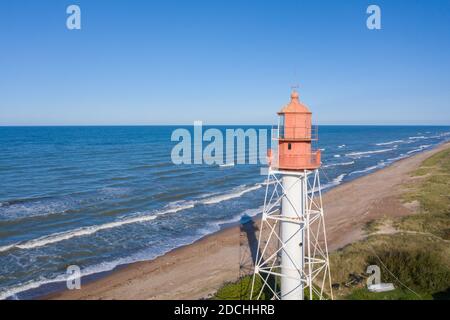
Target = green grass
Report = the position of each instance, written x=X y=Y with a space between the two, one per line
x=372 y=226
x=433 y=194
x=421 y=263
x=239 y=290
x=397 y=294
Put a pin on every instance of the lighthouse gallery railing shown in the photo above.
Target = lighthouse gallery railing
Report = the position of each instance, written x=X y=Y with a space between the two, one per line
x=295 y=133
x=276 y=160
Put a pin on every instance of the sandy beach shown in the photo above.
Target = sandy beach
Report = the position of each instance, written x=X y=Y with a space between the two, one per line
x=196 y=271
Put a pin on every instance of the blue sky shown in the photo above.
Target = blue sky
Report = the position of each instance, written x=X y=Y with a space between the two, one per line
x=223 y=62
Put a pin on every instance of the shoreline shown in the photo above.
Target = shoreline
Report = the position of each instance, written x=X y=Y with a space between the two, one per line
x=165 y=277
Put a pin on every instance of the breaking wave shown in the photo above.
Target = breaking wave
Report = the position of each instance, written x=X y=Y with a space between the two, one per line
x=389 y=143
x=143 y=255
x=402 y=156
x=140 y=256
x=238 y=192
x=362 y=153
x=137 y=218
x=335 y=182
x=371 y=168
x=338 y=164
x=420 y=148
x=84 y=231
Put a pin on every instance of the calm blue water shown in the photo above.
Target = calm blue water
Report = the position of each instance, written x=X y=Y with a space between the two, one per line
x=98 y=197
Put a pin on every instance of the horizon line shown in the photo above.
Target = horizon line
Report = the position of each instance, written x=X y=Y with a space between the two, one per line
x=209 y=125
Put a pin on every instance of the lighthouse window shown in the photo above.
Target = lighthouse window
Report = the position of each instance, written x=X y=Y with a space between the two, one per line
x=281 y=125
x=289 y=146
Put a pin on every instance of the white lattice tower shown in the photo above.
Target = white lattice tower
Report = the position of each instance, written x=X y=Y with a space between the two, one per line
x=293 y=255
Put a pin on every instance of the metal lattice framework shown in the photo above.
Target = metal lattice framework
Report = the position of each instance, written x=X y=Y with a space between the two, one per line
x=314 y=272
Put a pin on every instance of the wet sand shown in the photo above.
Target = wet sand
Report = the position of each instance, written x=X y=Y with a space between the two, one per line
x=196 y=271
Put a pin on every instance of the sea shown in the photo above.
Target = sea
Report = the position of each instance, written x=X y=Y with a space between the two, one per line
x=100 y=197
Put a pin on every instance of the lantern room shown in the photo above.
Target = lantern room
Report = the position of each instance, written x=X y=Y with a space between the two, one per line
x=295 y=135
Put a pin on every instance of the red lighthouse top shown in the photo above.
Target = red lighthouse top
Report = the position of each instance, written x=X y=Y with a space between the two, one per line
x=295 y=134
x=295 y=106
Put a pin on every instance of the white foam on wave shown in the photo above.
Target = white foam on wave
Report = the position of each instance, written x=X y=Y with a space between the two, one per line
x=341 y=146
x=225 y=165
x=13 y=291
x=144 y=255
x=337 y=156
x=420 y=148
x=237 y=192
x=389 y=142
x=362 y=153
x=435 y=136
x=371 y=168
x=338 y=164
x=364 y=170
x=136 y=218
x=402 y=156
x=417 y=138
x=85 y=231
x=7 y=247
x=268 y=182
x=335 y=182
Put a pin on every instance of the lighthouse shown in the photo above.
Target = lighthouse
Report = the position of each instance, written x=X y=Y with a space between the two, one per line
x=292 y=261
